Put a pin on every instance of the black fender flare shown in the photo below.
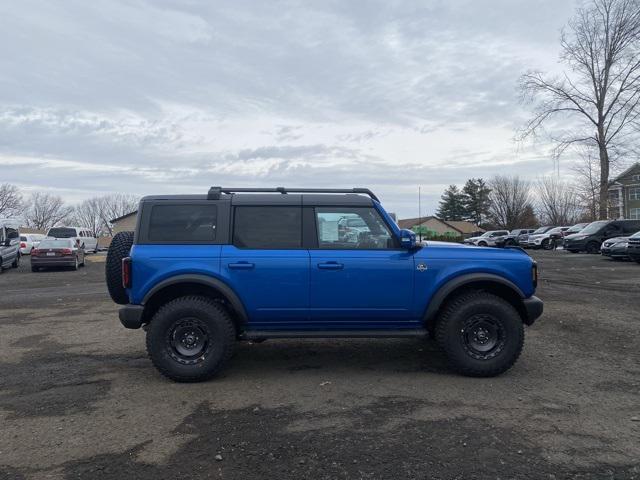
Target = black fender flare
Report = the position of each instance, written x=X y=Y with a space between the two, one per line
x=441 y=294
x=208 y=281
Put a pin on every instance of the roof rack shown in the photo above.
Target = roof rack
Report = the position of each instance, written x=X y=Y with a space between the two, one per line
x=215 y=192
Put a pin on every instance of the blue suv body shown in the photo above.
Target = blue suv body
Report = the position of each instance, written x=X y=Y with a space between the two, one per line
x=310 y=263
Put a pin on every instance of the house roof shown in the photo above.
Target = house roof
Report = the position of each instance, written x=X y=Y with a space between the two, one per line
x=123 y=217
x=464 y=226
x=411 y=222
x=461 y=226
x=626 y=172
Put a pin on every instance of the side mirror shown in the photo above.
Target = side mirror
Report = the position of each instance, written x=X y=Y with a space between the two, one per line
x=407 y=239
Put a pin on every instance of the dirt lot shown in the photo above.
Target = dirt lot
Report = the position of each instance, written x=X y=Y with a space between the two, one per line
x=79 y=398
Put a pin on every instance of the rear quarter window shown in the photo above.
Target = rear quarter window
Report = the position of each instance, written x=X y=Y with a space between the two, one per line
x=184 y=223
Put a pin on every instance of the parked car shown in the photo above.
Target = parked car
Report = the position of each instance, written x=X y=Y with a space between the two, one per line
x=590 y=238
x=57 y=252
x=633 y=247
x=29 y=241
x=9 y=244
x=487 y=239
x=513 y=238
x=203 y=271
x=84 y=236
x=530 y=240
x=548 y=240
x=615 y=248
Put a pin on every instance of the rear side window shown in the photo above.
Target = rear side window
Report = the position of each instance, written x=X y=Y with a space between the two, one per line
x=268 y=227
x=183 y=223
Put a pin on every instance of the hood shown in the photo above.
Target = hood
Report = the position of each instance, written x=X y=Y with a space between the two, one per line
x=575 y=235
x=611 y=241
x=434 y=243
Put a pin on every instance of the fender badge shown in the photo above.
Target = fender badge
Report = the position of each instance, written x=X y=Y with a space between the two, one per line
x=421 y=267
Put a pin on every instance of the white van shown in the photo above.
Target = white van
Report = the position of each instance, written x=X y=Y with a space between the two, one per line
x=84 y=236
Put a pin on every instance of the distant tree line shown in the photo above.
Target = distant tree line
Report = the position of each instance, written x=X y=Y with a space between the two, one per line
x=42 y=211
x=511 y=202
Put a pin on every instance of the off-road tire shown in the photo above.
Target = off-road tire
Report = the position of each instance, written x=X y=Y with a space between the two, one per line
x=211 y=316
x=119 y=249
x=450 y=333
x=592 y=248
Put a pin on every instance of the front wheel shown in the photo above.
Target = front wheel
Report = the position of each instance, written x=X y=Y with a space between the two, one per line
x=592 y=248
x=482 y=244
x=16 y=262
x=482 y=334
x=190 y=339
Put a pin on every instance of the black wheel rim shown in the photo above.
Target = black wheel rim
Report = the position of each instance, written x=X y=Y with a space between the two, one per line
x=188 y=341
x=483 y=336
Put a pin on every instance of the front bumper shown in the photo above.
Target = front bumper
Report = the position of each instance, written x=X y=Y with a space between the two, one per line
x=131 y=316
x=534 y=308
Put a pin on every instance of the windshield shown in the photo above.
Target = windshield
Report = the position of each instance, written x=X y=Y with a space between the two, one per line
x=577 y=228
x=635 y=235
x=62 y=232
x=56 y=244
x=542 y=230
x=356 y=222
x=556 y=230
x=594 y=227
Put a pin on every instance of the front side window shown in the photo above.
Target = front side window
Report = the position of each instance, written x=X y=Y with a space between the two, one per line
x=186 y=223
x=634 y=193
x=352 y=228
x=268 y=227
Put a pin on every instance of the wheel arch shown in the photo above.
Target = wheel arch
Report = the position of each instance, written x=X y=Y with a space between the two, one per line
x=194 y=284
x=487 y=282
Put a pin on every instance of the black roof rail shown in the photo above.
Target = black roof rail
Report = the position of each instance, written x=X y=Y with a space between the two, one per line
x=215 y=192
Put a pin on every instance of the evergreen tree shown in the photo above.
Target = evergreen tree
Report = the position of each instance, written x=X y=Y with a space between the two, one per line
x=476 y=200
x=451 y=204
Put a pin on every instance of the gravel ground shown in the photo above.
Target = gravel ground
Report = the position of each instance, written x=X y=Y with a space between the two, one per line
x=80 y=399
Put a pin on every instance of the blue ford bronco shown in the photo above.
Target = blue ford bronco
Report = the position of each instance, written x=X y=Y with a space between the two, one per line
x=204 y=271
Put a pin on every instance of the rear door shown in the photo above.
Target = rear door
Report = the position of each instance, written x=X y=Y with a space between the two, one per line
x=267 y=265
x=360 y=278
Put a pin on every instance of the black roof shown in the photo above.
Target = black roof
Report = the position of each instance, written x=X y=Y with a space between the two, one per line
x=280 y=196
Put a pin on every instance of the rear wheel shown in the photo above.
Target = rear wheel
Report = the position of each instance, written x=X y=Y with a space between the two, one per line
x=75 y=265
x=190 y=339
x=510 y=243
x=119 y=249
x=482 y=334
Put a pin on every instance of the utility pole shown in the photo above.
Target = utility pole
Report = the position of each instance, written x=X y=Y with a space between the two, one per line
x=420 y=213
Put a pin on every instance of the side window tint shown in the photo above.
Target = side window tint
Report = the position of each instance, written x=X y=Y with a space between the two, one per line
x=182 y=223
x=268 y=227
x=352 y=228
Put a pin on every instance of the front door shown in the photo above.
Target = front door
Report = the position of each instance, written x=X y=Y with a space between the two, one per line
x=360 y=277
x=268 y=267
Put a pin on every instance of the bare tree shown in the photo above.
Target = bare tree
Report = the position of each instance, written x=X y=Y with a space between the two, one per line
x=587 y=184
x=10 y=200
x=599 y=95
x=510 y=201
x=44 y=211
x=88 y=214
x=114 y=206
x=557 y=202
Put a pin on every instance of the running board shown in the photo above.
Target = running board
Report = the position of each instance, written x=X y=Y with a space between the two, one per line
x=264 y=334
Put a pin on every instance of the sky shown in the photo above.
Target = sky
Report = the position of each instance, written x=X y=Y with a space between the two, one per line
x=160 y=97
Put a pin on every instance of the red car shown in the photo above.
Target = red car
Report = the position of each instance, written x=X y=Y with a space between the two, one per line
x=57 y=252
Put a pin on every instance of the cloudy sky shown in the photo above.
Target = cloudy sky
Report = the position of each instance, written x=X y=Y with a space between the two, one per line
x=174 y=96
